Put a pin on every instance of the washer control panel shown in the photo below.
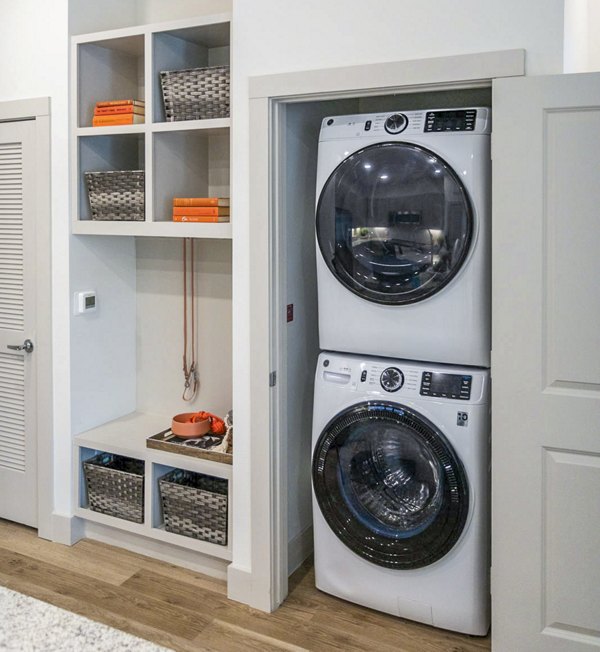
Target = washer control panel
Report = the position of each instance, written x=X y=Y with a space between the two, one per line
x=401 y=379
x=442 y=385
x=378 y=375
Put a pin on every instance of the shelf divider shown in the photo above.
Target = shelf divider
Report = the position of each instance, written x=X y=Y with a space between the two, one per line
x=166 y=229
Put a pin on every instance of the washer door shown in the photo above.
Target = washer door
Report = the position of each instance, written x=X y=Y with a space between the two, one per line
x=394 y=223
x=390 y=485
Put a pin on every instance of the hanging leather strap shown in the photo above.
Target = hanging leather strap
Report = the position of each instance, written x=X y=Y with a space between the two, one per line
x=190 y=371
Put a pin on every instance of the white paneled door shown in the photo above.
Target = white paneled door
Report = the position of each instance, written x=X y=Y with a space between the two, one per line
x=18 y=437
x=546 y=364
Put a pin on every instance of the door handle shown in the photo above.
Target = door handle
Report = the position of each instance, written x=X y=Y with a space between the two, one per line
x=27 y=346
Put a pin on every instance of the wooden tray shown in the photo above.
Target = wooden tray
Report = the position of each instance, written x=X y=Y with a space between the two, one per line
x=167 y=441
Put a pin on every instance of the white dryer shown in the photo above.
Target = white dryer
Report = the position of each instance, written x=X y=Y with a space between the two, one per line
x=403 y=235
x=400 y=472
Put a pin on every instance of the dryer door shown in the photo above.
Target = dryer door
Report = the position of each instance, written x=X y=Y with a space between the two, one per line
x=390 y=485
x=394 y=223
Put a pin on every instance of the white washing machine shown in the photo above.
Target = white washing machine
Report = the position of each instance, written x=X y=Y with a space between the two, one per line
x=403 y=235
x=401 y=481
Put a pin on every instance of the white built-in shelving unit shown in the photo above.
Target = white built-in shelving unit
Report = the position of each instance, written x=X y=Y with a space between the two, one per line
x=127 y=436
x=190 y=158
x=180 y=159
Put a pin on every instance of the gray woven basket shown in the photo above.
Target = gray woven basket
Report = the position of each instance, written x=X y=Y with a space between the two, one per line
x=115 y=486
x=195 y=505
x=116 y=195
x=196 y=93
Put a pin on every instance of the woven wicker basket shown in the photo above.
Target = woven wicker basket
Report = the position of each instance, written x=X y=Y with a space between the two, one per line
x=196 y=93
x=195 y=505
x=116 y=195
x=115 y=486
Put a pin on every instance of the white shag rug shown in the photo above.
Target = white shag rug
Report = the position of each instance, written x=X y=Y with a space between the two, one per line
x=29 y=625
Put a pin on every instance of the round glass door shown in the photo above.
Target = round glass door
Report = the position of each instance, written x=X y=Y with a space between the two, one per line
x=390 y=486
x=394 y=223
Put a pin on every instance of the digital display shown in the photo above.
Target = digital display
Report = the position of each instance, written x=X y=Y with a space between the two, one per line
x=90 y=302
x=461 y=120
x=443 y=385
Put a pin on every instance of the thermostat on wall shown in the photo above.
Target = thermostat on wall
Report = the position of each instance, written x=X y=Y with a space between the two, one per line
x=85 y=302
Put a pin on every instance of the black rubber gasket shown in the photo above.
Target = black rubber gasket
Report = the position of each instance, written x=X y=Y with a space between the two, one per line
x=383 y=298
x=422 y=549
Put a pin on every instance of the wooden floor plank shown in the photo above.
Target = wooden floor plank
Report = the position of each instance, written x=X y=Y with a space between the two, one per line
x=76 y=558
x=225 y=637
x=173 y=591
x=124 y=559
x=189 y=612
x=119 y=600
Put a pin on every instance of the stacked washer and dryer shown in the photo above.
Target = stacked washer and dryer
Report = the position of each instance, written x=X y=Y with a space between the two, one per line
x=401 y=426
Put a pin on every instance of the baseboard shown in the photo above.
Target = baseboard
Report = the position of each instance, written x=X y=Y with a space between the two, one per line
x=300 y=548
x=64 y=529
x=166 y=552
x=242 y=587
x=239 y=584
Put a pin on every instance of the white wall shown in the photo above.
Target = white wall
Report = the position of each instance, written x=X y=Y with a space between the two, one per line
x=93 y=16
x=160 y=379
x=593 y=29
x=34 y=44
x=97 y=15
x=103 y=351
x=317 y=34
x=154 y=11
x=582 y=27
x=271 y=37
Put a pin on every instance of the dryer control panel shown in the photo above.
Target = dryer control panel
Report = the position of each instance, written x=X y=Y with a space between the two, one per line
x=402 y=124
x=459 y=120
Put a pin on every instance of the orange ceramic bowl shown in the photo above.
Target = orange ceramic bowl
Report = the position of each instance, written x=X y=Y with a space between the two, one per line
x=183 y=427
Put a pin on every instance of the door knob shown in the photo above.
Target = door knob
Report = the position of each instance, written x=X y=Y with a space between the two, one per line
x=27 y=346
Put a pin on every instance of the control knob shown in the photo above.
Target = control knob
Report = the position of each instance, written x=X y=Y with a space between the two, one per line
x=392 y=379
x=396 y=123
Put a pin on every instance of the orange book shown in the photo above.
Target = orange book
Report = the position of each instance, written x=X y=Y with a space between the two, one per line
x=121 y=109
x=200 y=218
x=120 y=102
x=215 y=211
x=201 y=201
x=114 y=120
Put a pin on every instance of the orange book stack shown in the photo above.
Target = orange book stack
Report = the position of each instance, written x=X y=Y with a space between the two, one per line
x=118 y=112
x=201 y=209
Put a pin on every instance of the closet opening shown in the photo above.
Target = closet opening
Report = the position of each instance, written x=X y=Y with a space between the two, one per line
x=294 y=311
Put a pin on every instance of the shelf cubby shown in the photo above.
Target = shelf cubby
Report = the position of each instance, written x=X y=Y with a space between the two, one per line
x=190 y=47
x=109 y=69
x=83 y=501
x=189 y=163
x=157 y=515
x=107 y=152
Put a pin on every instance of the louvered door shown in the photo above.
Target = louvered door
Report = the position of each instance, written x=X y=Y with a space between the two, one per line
x=18 y=469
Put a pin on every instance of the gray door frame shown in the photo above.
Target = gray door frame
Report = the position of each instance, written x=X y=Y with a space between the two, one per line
x=264 y=584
